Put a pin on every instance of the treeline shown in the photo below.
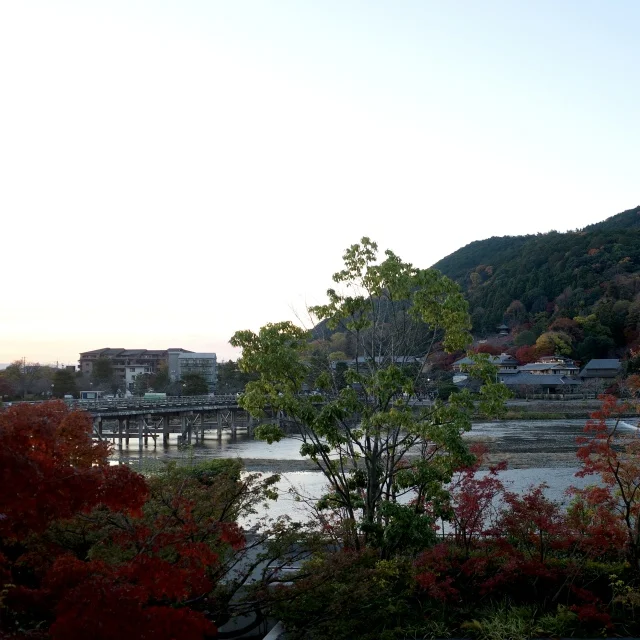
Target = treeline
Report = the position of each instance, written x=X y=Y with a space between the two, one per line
x=591 y=276
x=33 y=381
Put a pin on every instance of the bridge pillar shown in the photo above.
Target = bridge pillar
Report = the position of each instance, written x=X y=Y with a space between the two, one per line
x=233 y=423
x=121 y=423
x=186 y=427
x=202 y=428
x=219 y=417
x=249 y=424
x=126 y=430
x=147 y=433
x=140 y=431
x=166 y=429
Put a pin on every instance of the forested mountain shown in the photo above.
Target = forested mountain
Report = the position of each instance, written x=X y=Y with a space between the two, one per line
x=583 y=284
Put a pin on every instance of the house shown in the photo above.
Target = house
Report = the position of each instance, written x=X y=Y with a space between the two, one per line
x=541 y=382
x=551 y=365
x=604 y=369
x=504 y=361
x=130 y=375
x=363 y=361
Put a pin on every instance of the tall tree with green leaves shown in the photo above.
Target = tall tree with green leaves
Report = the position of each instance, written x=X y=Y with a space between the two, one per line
x=231 y=379
x=366 y=433
x=102 y=371
x=143 y=383
x=161 y=379
x=193 y=384
x=64 y=383
x=104 y=377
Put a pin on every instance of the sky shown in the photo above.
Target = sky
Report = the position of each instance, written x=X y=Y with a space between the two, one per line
x=174 y=171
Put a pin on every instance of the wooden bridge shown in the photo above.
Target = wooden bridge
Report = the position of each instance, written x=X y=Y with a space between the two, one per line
x=121 y=419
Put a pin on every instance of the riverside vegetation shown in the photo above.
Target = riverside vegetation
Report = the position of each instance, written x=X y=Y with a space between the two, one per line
x=410 y=539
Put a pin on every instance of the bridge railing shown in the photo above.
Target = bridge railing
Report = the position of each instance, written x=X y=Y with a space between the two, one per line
x=173 y=401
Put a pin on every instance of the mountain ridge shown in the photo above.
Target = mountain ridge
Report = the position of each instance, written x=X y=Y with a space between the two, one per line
x=563 y=275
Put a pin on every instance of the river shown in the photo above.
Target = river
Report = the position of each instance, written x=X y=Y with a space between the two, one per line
x=536 y=451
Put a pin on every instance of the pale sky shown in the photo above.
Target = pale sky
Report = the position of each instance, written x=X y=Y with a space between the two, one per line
x=173 y=171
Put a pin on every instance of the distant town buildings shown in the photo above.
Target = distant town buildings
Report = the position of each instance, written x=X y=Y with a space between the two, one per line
x=504 y=361
x=128 y=364
x=550 y=374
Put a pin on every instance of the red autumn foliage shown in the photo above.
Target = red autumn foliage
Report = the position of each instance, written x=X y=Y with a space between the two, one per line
x=55 y=470
x=473 y=497
x=593 y=523
x=525 y=355
x=614 y=455
x=62 y=482
x=488 y=348
x=535 y=522
x=538 y=552
x=102 y=601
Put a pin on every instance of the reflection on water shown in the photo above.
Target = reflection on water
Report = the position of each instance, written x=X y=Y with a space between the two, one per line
x=551 y=437
x=542 y=451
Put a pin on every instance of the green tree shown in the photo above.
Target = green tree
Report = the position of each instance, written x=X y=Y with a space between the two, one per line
x=161 y=380
x=525 y=339
x=362 y=436
x=64 y=383
x=231 y=379
x=102 y=371
x=143 y=383
x=103 y=376
x=341 y=370
x=553 y=343
x=193 y=384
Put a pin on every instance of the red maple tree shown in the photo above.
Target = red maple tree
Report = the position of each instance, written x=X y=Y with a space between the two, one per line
x=79 y=556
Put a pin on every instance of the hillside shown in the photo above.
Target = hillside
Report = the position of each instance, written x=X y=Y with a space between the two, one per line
x=530 y=282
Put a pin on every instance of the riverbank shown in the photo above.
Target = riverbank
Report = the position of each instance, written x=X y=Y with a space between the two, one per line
x=514 y=460
x=551 y=409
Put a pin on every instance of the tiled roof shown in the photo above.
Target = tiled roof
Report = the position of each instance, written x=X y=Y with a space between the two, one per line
x=532 y=379
x=601 y=368
x=541 y=366
x=606 y=363
x=503 y=358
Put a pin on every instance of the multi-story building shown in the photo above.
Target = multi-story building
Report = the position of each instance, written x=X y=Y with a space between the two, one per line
x=130 y=375
x=128 y=361
x=204 y=364
x=128 y=364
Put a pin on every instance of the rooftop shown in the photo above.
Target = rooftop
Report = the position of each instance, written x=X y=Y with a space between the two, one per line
x=523 y=378
x=607 y=363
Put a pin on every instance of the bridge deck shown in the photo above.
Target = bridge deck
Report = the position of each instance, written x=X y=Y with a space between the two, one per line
x=137 y=406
